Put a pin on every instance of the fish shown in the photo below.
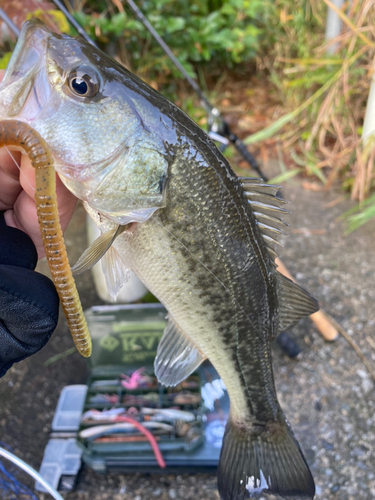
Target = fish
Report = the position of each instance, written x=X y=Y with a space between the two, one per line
x=202 y=239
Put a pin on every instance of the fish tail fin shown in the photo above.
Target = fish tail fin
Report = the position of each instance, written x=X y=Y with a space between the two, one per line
x=268 y=461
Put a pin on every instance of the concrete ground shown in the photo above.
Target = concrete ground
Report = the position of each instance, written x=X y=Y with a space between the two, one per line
x=327 y=392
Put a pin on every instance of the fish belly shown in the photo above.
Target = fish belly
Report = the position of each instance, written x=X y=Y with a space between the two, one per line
x=197 y=301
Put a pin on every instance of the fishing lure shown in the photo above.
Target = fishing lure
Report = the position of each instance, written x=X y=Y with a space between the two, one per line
x=17 y=133
x=137 y=379
x=104 y=398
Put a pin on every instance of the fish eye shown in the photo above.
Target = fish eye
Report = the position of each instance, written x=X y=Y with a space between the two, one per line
x=83 y=82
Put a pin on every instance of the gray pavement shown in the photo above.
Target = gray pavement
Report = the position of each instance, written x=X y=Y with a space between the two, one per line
x=327 y=392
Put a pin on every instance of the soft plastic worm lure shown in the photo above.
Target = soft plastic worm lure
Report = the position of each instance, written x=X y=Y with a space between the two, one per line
x=16 y=133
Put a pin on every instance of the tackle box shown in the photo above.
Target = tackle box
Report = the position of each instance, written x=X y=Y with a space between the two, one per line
x=186 y=421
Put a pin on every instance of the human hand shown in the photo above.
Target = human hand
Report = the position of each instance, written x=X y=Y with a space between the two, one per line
x=17 y=188
x=29 y=304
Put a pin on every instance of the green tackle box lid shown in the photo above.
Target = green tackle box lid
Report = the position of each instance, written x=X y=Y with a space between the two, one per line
x=124 y=335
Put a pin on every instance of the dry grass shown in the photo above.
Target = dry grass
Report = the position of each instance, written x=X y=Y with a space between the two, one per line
x=328 y=131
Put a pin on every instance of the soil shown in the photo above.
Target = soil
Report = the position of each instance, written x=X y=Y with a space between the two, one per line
x=326 y=392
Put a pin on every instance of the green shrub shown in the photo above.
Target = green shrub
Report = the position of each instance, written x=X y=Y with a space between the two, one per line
x=224 y=32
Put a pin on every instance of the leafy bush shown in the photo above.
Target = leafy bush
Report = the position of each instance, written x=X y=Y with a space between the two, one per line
x=225 y=32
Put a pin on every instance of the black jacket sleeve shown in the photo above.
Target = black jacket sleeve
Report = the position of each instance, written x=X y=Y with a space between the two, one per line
x=29 y=304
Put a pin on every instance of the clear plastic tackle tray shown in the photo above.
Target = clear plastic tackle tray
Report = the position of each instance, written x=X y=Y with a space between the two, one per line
x=125 y=338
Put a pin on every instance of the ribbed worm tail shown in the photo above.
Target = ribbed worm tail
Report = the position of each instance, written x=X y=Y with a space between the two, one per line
x=16 y=133
x=253 y=464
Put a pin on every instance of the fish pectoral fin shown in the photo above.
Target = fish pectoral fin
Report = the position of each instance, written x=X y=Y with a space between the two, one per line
x=96 y=250
x=295 y=302
x=177 y=355
x=115 y=272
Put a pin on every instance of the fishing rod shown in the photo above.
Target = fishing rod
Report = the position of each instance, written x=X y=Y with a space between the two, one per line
x=7 y=20
x=73 y=22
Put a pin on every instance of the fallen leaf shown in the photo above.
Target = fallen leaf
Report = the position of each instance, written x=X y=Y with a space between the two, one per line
x=312 y=186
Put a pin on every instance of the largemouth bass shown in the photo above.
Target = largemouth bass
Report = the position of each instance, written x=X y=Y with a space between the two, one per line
x=199 y=237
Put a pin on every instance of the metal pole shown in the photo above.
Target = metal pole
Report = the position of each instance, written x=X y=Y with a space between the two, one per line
x=333 y=25
x=170 y=54
x=368 y=129
x=7 y=20
x=73 y=22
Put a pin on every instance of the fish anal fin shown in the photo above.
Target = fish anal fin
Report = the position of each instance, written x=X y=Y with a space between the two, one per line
x=294 y=302
x=177 y=355
x=255 y=462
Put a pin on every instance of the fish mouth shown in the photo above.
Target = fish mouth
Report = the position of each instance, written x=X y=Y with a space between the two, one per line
x=24 y=90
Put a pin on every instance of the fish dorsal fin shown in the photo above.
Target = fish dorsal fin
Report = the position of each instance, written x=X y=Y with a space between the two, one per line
x=177 y=356
x=266 y=206
x=115 y=272
x=295 y=302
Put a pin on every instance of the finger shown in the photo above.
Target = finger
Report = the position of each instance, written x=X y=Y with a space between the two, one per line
x=10 y=161
x=27 y=176
x=24 y=215
x=10 y=186
x=9 y=174
x=66 y=201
